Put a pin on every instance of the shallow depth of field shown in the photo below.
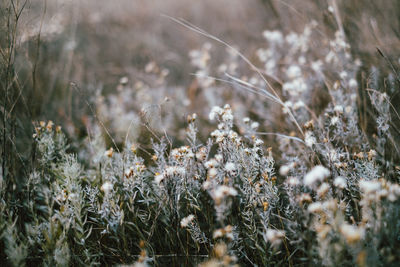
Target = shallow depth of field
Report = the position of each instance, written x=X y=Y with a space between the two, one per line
x=199 y=133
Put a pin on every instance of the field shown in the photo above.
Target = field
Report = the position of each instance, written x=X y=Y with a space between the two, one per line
x=199 y=133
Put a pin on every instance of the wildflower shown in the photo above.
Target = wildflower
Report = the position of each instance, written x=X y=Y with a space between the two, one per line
x=371 y=154
x=304 y=198
x=218 y=233
x=265 y=205
x=49 y=126
x=158 y=178
x=219 y=158
x=316 y=65
x=151 y=67
x=223 y=191
x=275 y=236
x=73 y=197
x=220 y=250
x=333 y=155
x=318 y=173
x=394 y=192
x=351 y=233
x=218 y=135
x=206 y=185
x=254 y=125
x=340 y=182
x=353 y=83
x=258 y=142
x=338 y=109
x=185 y=221
x=273 y=36
x=348 y=109
x=124 y=80
x=310 y=139
x=309 y=125
x=293 y=181
x=214 y=112
x=369 y=186
x=227 y=115
x=334 y=120
x=284 y=170
x=298 y=104
x=201 y=154
x=211 y=163
x=212 y=172
x=330 y=205
x=343 y=74
x=286 y=107
x=315 y=207
x=293 y=72
x=175 y=170
x=230 y=167
x=322 y=230
x=109 y=153
x=323 y=189
x=221 y=232
x=133 y=148
x=107 y=187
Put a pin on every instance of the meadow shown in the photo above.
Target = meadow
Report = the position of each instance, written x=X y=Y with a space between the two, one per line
x=199 y=133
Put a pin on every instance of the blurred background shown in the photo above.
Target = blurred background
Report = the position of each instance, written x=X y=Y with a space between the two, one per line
x=126 y=65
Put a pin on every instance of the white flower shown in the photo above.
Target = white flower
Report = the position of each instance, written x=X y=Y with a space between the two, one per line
x=258 y=142
x=159 y=178
x=223 y=191
x=298 y=104
x=340 y=182
x=351 y=233
x=334 y=120
x=286 y=106
x=343 y=74
x=214 y=112
x=219 y=157
x=353 y=83
x=206 y=185
x=293 y=71
x=218 y=233
x=293 y=181
x=323 y=189
x=254 y=125
x=218 y=135
x=73 y=197
x=273 y=36
x=212 y=172
x=185 y=221
x=310 y=139
x=211 y=163
x=338 y=108
x=369 y=186
x=230 y=167
x=284 y=170
x=292 y=38
x=107 y=187
x=315 y=207
x=275 y=236
x=316 y=65
x=318 y=173
x=227 y=116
